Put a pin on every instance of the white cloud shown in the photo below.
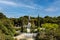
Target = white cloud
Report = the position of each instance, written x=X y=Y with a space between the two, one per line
x=10 y=3
x=51 y=9
x=1 y=9
x=24 y=5
x=57 y=4
x=54 y=7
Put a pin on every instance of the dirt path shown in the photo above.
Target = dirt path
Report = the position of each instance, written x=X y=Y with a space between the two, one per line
x=23 y=36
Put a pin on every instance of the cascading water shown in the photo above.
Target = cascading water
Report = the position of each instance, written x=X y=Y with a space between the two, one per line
x=28 y=34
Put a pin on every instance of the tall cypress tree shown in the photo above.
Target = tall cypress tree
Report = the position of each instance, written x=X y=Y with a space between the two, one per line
x=38 y=21
x=22 y=25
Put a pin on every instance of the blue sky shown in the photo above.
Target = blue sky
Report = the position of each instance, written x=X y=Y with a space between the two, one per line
x=18 y=8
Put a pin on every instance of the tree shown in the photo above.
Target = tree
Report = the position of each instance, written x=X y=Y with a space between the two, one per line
x=38 y=21
x=2 y=35
x=50 y=26
x=2 y=15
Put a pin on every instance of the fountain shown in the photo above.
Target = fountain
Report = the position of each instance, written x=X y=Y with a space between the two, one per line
x=28 y=35
x=29 y=25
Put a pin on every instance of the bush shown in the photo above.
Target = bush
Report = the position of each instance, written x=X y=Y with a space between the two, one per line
x=8 y=37
x=50 y=26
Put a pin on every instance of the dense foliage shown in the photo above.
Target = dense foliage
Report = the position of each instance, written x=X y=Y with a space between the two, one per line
x=48 y=28
x=7 y=30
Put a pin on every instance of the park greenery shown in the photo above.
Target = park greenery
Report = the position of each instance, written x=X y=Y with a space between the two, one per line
x=47 y=28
